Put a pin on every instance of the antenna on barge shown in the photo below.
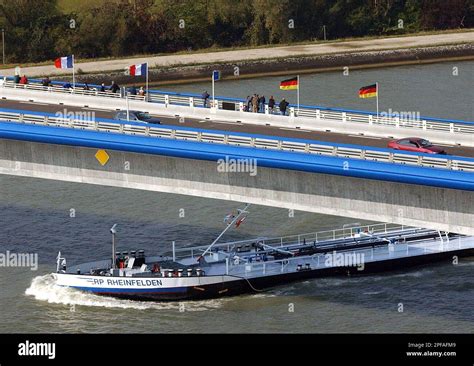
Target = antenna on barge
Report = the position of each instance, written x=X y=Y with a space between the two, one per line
x=113 y=232
x=229 y=225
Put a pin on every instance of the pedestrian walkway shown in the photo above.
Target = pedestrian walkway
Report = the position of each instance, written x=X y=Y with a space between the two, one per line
x=315 y=49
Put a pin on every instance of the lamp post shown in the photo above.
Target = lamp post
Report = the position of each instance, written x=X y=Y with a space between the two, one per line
x=3 y=45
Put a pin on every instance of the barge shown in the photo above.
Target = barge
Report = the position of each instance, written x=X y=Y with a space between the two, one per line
x=249 y=266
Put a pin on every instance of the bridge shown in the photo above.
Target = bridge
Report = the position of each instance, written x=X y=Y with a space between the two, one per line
x=351 y=180
x=230 y=110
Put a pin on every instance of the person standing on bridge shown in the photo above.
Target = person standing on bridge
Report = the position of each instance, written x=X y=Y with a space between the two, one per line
x=271 y=104
x=254 y=103
x=283 y=105
x=24 y=80
x=16 y=79
x=102 y=88
x=46 y=81
x=248 y=103
x=261 y=104
x=205 y=97
x=114 y=88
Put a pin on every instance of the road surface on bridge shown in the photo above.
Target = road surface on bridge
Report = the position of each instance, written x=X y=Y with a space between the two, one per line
x=232 y=126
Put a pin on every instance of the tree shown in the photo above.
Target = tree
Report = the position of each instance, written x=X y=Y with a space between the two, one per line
x=445 y=14
x=36 y=30
x=30 y=28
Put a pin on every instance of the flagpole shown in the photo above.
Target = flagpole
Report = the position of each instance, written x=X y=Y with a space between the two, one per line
x=298 y=94
x=73 y=73
x=128 y=108
x=240 y=213
x=213 y=99
x=377 y=94
x=146 y=93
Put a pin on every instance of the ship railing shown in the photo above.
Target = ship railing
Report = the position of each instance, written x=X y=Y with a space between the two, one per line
x=353 y=257
x=308 y=238
x=84 y=121
x=408 y=121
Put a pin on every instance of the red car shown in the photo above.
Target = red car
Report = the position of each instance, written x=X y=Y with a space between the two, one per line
x=416 y=144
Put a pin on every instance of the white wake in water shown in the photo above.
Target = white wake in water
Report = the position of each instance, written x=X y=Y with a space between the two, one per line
x=43 y=288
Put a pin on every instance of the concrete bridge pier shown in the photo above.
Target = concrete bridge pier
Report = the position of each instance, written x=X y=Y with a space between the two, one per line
x=408 y=204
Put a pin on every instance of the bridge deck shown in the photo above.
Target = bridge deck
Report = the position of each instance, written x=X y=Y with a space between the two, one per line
x=228 y=126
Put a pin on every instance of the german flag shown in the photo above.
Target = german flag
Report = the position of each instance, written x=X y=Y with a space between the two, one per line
x=368 y=91
x=289 y=84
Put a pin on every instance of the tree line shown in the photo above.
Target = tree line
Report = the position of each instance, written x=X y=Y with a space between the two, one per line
x=39 y=30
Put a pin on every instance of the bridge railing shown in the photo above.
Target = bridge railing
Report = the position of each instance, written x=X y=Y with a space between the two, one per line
x=365 y=255
x=335 y=234
x=317 y=236
x=236 y=139
x=317 y=113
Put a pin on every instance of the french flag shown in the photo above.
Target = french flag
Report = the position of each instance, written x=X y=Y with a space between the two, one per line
x=64 y=62
x=138 y=70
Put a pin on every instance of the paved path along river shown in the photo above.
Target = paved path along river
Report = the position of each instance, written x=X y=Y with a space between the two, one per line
x=183 y=59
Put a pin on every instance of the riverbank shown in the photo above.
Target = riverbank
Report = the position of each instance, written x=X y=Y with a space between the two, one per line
x=300 y=65
x=305 y=65
x=248 y=63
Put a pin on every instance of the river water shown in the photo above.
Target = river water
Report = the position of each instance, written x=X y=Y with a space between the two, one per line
x=443 y=90
x=43 y=217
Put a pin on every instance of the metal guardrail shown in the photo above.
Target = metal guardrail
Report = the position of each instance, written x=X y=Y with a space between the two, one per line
x=254 y=269
x=142 y=129
x=330 y=114
x=335 y=234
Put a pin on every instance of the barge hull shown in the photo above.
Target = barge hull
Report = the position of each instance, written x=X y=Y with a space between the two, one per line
x=235 y=285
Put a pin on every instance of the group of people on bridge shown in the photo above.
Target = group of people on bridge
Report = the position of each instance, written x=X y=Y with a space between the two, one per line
x=114 y=87
x=20 y=79
x=255 y=103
